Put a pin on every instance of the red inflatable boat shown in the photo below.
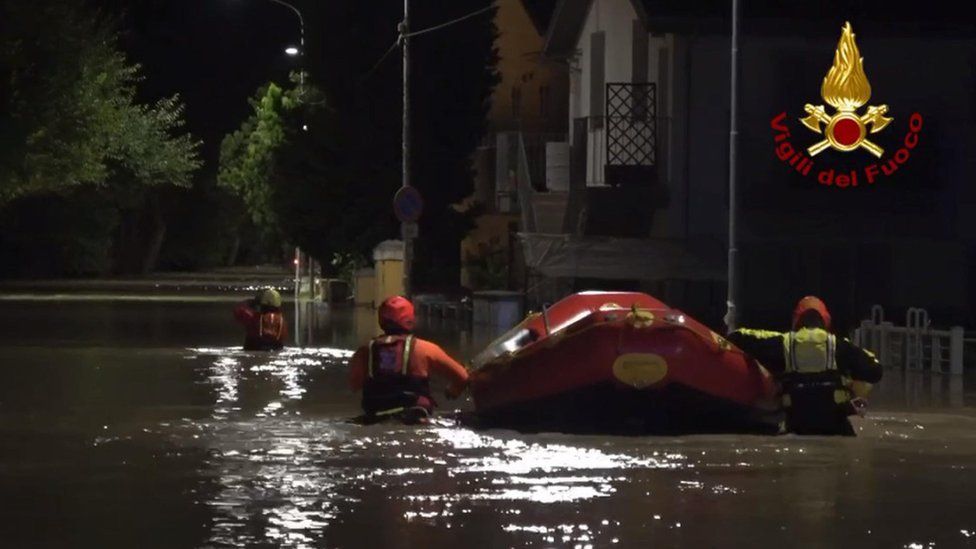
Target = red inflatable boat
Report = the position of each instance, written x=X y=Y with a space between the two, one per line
x=620 y=362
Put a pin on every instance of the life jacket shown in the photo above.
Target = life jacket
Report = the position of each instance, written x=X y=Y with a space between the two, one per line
x=811 y=365
x=271 y=325
x=265 y=332
x=809 y=350
x=389 y=386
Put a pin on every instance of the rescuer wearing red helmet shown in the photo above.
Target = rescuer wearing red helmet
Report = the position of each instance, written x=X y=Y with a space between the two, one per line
x=264 y=324
x=393 y=369
x=824 y=378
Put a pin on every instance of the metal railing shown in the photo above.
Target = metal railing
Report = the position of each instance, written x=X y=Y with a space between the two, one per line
x=914 y=346
x=631 y=124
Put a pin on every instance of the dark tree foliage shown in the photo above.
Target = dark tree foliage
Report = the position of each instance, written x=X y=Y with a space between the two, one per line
x=80 y=150
x=296 y=184
x=69 y=109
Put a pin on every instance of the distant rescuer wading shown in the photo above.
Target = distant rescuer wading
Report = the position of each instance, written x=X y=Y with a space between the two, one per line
x=824 y=378
x=264 y=324
x=393 y=369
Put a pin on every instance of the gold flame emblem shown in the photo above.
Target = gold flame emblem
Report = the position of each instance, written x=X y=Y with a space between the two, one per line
x=846 y=89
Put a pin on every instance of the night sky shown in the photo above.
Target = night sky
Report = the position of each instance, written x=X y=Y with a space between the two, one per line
x=214 y=53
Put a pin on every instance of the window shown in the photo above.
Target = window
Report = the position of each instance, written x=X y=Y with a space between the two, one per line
x=509 y=342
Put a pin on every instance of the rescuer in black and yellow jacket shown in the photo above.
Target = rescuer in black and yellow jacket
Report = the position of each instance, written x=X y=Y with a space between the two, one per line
x=823 y=377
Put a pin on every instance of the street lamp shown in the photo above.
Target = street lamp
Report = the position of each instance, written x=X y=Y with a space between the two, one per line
x=301 y=46
x=293 y=51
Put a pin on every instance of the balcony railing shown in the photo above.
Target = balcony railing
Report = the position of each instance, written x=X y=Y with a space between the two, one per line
x=631 y=122
x=603 y=151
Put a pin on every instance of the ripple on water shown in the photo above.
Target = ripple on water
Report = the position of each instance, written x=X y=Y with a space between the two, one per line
x=286 y=480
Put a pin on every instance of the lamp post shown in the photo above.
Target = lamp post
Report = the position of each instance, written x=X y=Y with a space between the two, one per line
x=299 y=51
x=301 y=24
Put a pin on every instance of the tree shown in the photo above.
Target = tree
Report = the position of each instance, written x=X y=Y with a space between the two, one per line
x=69 y=115
x=74 y=132
x=328 y=204
x=287 y=167
x=247 y=156
x=329 y=190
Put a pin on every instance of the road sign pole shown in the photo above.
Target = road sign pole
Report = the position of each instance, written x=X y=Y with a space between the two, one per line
x=407 y=240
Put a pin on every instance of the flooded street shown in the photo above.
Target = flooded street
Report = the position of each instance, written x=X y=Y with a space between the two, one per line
x=142 y=424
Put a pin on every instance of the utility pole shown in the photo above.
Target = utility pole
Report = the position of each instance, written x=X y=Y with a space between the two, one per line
x=407 y=238
x=730 y=314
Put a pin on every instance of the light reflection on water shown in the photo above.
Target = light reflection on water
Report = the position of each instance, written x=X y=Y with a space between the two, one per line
x=293 y=479
x=259 y=446
x=284 y=479
x=267 y=465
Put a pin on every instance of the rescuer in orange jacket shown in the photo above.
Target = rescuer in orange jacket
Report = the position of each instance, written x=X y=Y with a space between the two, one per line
x=393 y=370
x=824 y=378
x=264 y=324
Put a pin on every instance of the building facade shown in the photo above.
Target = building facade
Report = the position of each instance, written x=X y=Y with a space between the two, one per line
x=664 y=67
x=530 y=102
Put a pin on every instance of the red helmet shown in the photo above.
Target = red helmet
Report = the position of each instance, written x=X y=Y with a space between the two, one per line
x=811 y=303
x=396 y=314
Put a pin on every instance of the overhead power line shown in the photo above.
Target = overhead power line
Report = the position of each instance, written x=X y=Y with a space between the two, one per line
x=451 y=22
x=382 y=58
x=401 y=36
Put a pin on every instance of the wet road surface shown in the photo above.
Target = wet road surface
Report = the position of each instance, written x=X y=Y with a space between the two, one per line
x=143 y=424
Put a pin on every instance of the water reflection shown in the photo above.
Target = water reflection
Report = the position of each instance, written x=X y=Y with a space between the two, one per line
x=291 y=474
x=113 y=425
x=284 y=478
x=916 y=389
x=271 y=488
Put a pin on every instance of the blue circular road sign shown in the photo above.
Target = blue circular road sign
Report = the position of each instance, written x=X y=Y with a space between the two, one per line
x=408 y=204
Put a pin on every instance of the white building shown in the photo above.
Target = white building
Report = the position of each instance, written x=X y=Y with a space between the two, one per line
x=648 y=204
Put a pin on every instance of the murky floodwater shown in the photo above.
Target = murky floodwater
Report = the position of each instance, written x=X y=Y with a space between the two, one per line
x=143 y=424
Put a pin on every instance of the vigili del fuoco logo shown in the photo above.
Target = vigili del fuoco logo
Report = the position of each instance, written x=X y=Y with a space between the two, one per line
x=844 y=128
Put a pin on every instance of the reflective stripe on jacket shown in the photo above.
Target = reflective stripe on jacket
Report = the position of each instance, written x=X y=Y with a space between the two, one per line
x=810 y=356
x=271 y=325
x=391 y=358
x=390 y=386
x=809 y=350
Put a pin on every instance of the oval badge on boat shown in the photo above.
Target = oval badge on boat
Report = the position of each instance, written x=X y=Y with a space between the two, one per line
x=640 y=370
